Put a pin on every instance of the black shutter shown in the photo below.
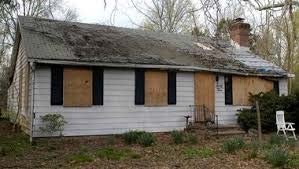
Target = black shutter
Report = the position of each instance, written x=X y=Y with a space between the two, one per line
x=276 y=87
x=139 y=87
x=228 y=90
x=171 y=87
x=56 y=85
x=97 y=86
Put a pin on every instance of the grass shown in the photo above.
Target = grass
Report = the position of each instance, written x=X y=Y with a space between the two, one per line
x=14 y=145
x=81 y=157
x=110 y=153
x=204 y=152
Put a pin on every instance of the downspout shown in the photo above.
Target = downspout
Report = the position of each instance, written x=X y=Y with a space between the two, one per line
x=32 y=66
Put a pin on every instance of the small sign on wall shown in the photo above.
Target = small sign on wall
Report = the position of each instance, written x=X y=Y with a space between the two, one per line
x=219 y=87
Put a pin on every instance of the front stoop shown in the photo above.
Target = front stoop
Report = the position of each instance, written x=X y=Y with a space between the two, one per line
x=211 y=130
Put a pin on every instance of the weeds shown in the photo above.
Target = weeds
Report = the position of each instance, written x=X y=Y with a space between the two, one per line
x=177 y=136
x=277 y=156
x=232 y=145
x=131 y=137
x=276 y=140
x=146 y=139
x=192 y=138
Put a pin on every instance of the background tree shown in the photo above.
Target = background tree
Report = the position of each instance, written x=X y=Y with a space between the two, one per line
x=9 y=11
x=166 y=15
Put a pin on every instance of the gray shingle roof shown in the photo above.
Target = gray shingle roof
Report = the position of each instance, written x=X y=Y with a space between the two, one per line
x=90 y=43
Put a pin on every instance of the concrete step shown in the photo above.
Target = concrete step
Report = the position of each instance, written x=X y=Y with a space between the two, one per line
x=229 y=132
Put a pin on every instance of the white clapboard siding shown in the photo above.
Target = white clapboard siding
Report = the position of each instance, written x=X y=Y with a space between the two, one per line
x=283 y=87
x=226 y=113
x=119 y=112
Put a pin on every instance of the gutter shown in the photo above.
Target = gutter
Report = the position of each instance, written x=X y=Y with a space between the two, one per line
x=182 y=68
x=32 y=66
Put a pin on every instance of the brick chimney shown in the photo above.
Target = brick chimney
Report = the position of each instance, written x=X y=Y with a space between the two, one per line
x=239 y=33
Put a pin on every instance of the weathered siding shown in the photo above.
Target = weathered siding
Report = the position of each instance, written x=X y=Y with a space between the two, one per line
x=18 y=92
x=119 y=112
x=283 y=87
x=226 y=113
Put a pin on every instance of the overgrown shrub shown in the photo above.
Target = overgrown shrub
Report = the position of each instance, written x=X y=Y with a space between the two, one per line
x=232 y=145
x=177 y=136
x=269 y=103
x=146 y=139
x=277 y=156
x=131 y=137
x=52 y=123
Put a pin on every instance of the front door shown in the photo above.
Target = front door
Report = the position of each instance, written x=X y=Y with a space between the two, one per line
x=204 y=96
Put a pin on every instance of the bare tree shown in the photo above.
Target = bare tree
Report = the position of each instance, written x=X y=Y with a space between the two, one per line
x=166 y=15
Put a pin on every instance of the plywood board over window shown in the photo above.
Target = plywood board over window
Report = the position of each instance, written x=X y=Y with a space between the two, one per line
x=155 y=88
x=243 y=85
x=205 y=91
x=77 y=87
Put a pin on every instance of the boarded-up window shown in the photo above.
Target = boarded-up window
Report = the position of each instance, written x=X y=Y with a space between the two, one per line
x=156 y=87
x=139 y=87
x=228 y=84
x=171 y=87
x=56 y=85
x=205 y=90
x=77 y=87
x=98 y=86
x=242 y=86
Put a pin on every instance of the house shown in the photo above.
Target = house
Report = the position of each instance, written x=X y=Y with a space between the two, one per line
x=108 y=80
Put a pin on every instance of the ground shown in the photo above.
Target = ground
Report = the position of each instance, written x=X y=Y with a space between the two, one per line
x=112 y=152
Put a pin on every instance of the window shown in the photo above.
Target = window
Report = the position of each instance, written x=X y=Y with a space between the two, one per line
x=155 y=87
x=76 y=87
x=243 y=85
x=228 y=84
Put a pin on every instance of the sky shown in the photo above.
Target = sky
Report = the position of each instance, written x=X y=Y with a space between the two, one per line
x=94 y=11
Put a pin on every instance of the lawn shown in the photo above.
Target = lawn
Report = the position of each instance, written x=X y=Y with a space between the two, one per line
x=140 y=150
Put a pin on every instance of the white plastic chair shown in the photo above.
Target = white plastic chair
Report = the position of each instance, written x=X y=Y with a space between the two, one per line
x=284 y=126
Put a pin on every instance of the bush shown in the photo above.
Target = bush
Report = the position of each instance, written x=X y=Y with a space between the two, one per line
x=232 y=145
x=52 y=123
x=277 y=156
x=116 y=154
x=177 y=136
x=146 y=139
x=131 y=137
x=269 y=103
